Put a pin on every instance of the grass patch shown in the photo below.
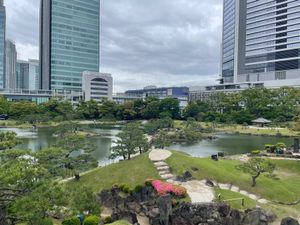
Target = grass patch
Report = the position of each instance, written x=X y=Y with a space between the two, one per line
x=235 y=204
x=285 y=189
x=121 y=222
x=132 y=173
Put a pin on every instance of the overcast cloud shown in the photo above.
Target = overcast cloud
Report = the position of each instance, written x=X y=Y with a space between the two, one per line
x=142 y=42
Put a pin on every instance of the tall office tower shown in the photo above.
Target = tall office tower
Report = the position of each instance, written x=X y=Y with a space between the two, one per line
x=28 y=75
x=261 y=40
x=69 y=42
x=2 y=43
x=22 y=74
x=11 y=63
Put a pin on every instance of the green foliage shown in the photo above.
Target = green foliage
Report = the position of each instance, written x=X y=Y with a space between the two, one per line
x=138 y=188
x=108 y=219
x=84 y=200
x=71 y=221
x=255 y=152
x=8 y=140
x=130 y=139
x=40 y=221
x=161 y=140
x=255 y=167
x=280 y=145
x=91 y=220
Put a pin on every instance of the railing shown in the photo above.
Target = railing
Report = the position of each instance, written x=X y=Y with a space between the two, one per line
x=232 y=200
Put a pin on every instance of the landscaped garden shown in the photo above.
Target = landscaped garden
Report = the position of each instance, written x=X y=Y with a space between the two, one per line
x=284 y=187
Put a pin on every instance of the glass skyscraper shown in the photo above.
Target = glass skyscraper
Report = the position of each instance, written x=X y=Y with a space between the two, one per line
x=2 y=43
x=265 y=37
x=69 y=42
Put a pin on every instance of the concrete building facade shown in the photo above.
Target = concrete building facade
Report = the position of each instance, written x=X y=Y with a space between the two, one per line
x=28 y=75
x=2 y=43
x=69 y=42
x=97 y=86
x=261 y=40
x=11 y=63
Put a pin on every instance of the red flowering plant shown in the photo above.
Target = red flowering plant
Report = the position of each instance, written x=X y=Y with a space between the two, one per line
x=164 y=188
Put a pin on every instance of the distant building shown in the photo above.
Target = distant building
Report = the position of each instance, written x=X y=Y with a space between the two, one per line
x=69 y=42
x=10 y=67
x=180 y=93
x=97 y=86
x=28 y=75
x=260 y=41
x=2 y=43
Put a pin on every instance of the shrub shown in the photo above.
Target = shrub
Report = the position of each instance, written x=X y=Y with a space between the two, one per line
x=126 y=189
x=40 y=221
x=255 y=152
x=122 y=186
x=71 y=221
x=148 y=182
x=164 y=188
x=270 y=148
x=91 y=220
x=108 y=220
x=281 y=145
x=138 y=188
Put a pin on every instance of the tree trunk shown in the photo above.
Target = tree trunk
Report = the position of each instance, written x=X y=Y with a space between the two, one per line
x=254 y=179
x=141 y=151
x=129 y=156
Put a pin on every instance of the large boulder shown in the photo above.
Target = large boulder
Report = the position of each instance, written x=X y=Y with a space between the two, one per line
x=289 y=221
x=127 y=215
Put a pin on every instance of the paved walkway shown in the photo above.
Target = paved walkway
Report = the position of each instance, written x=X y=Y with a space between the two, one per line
x=198 y=191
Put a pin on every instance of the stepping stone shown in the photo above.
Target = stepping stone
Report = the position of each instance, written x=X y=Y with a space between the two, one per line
x=167 y=176
x=164 y=172
x=235 y=189
x=263 y=201
x=163 y=168
x=161 y=163
x=225 y=186
x=244 y=193
x=171 y=181
x=253 y=197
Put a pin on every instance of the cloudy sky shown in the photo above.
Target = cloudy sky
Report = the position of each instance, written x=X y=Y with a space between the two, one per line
x=157 y=42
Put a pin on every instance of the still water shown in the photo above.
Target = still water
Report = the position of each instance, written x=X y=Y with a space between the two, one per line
x=36 y=139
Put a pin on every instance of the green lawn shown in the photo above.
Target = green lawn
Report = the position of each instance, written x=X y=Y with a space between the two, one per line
x=132 y=173
x=234 y=199
x=285 y=189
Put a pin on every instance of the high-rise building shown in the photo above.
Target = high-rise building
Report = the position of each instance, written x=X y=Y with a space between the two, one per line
x=2 y=43
x=28 y=75
x=261 y=40
x=69 y=42
x=11 y=63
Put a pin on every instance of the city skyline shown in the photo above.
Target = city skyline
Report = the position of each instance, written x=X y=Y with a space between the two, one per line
x=184 y=50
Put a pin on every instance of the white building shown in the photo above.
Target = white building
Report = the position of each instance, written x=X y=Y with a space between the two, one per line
x=97 y=86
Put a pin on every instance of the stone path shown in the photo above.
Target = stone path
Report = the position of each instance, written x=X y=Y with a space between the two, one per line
x=198 y=191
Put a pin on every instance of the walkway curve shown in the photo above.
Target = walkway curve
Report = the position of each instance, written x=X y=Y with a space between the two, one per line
x=198 y=191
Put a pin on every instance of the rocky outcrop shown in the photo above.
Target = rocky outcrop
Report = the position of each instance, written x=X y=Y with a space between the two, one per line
x=162 y=210
x=289 y=221
x=216 y=214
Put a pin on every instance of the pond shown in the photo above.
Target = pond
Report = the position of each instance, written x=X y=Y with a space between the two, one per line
x=230 y=144
x=36 y=139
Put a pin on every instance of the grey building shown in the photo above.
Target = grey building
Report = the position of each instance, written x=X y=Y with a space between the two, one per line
x=28 y=75
x=97 y=86
x=69 y=42
x=11 y=63
x=2 y=43
x=261 y=41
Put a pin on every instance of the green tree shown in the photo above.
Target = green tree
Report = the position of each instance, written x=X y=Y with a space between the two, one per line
x=161 y=140
x=257 y=166
x=171 y=106
x=83 y=199
x=88 y=110
x=130 y=140
x=152 y=110
x=4 y=105
x=8 y=140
